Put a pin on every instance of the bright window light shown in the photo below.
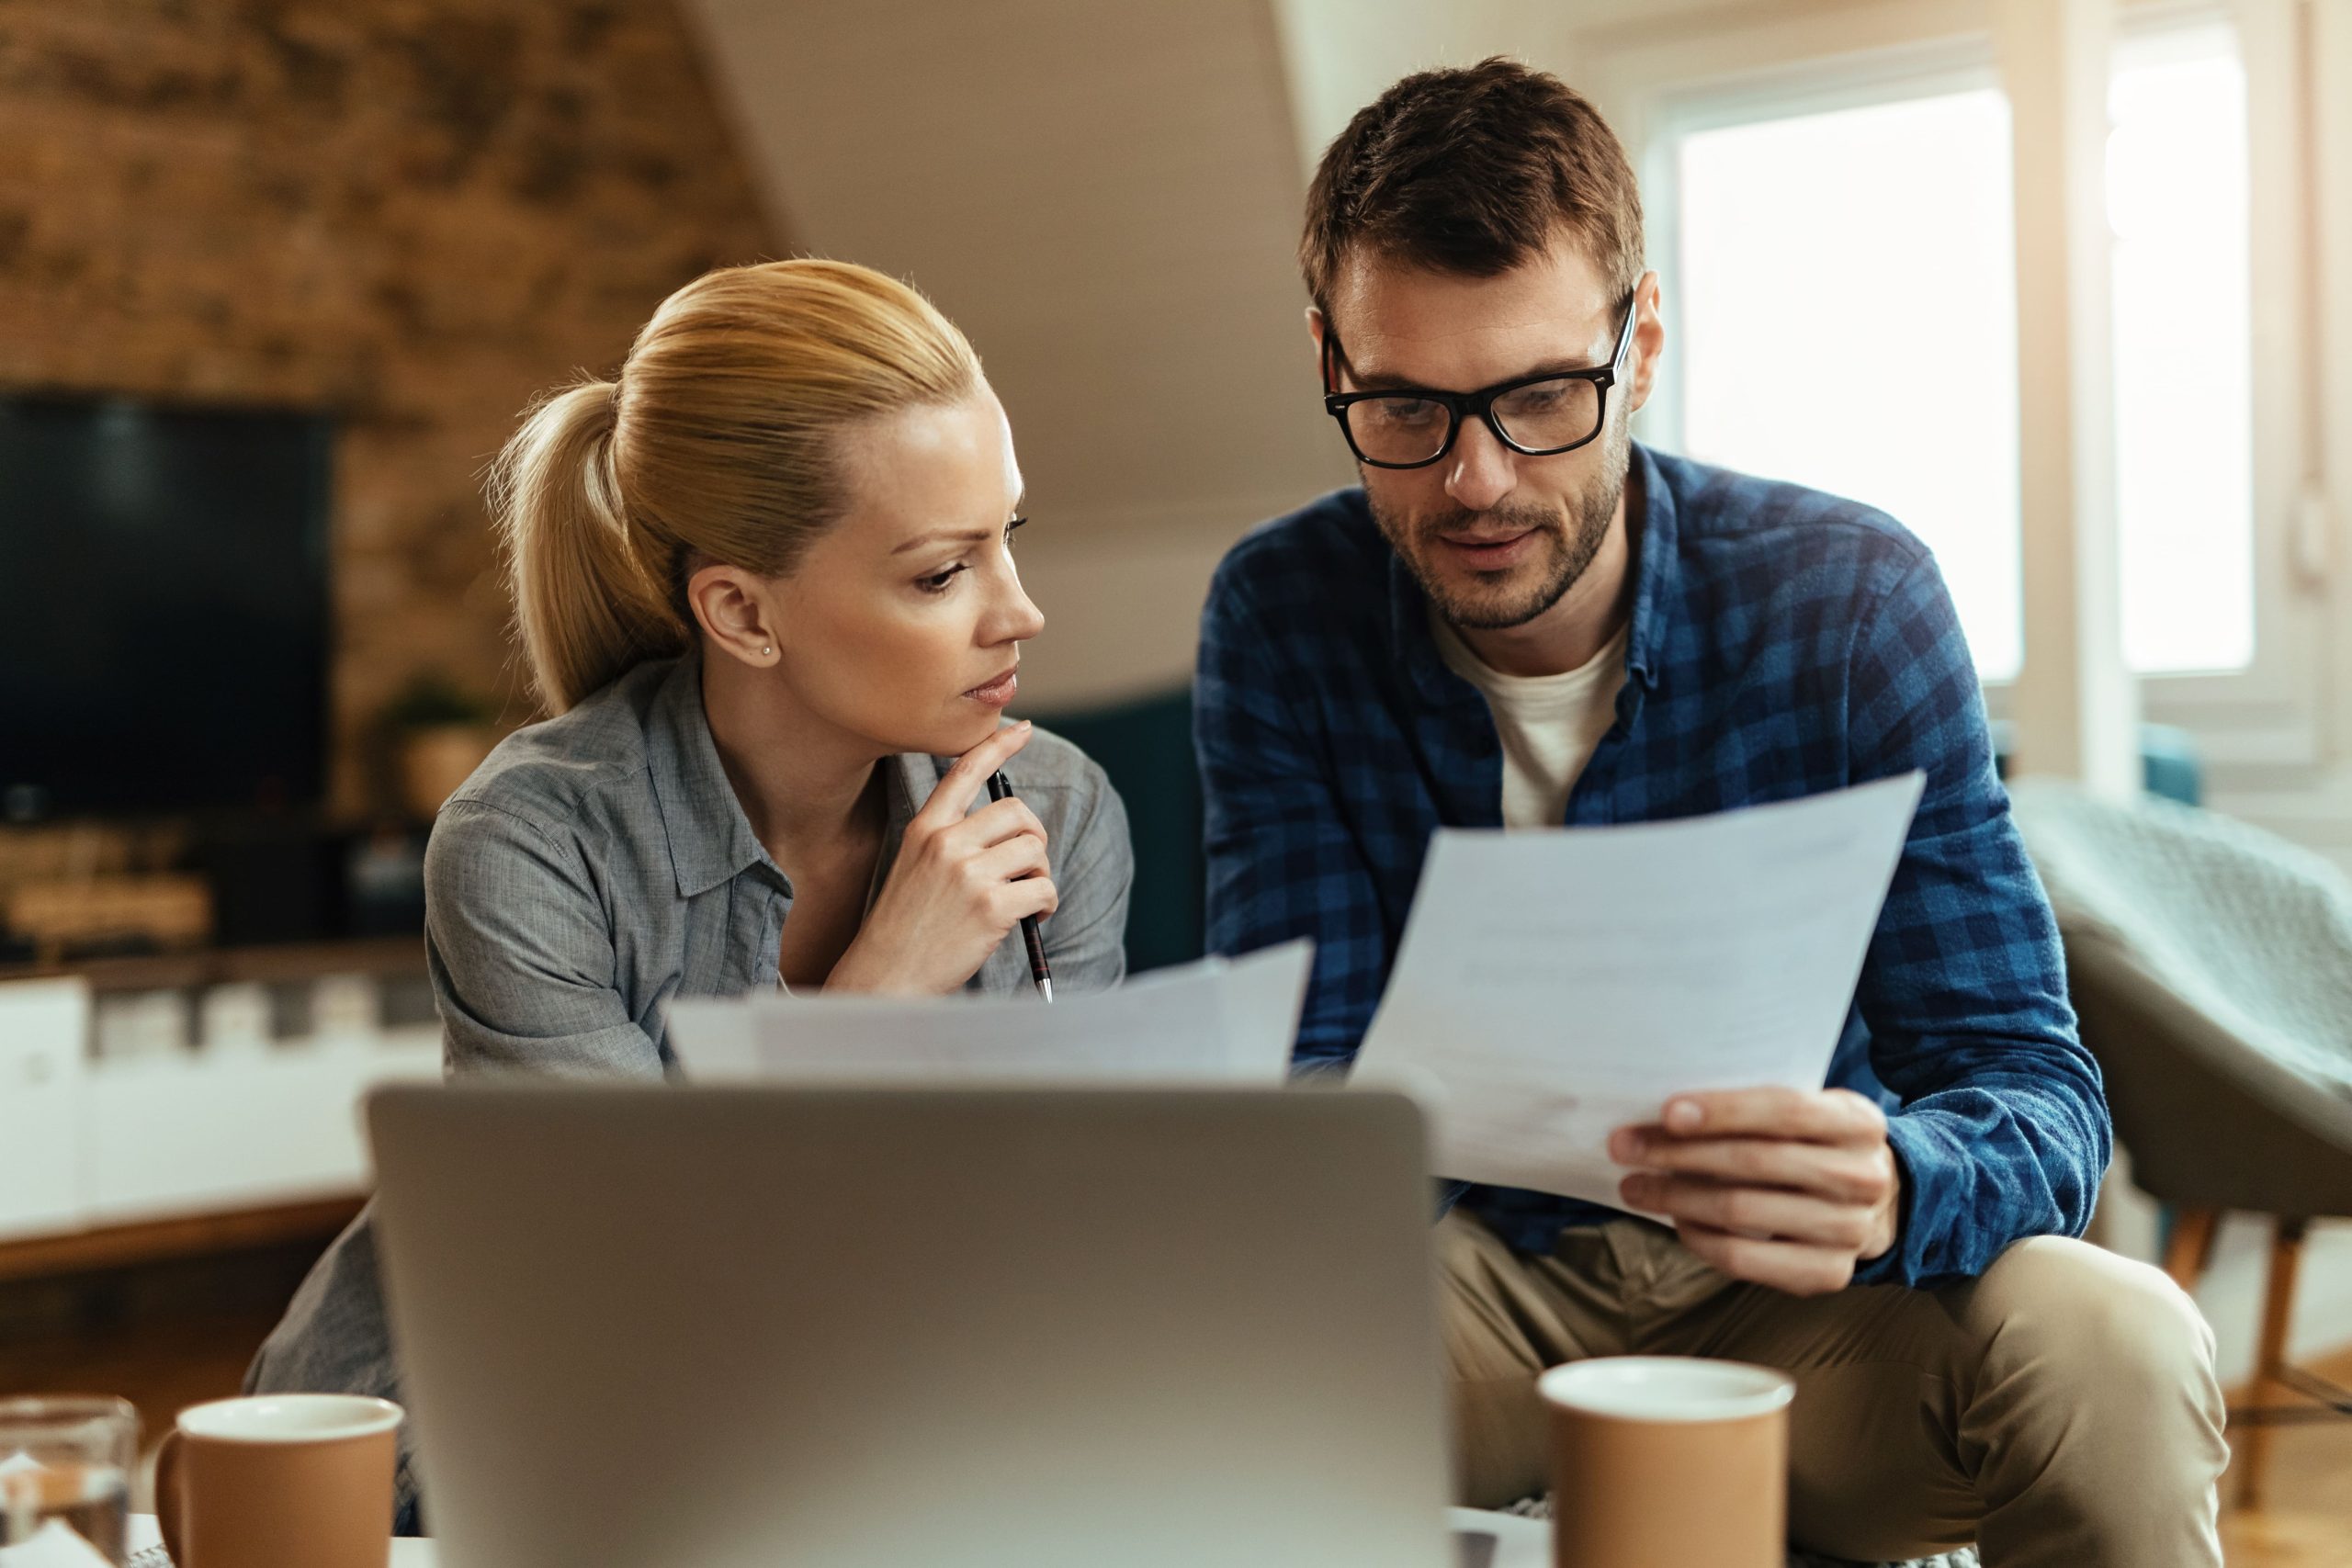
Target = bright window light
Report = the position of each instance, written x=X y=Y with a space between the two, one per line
x=2184 y=401
x=1849 y=322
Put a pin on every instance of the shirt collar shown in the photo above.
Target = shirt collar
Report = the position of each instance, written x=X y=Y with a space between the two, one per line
x=1408 y=633
x=1657 y=569
x=711 y=841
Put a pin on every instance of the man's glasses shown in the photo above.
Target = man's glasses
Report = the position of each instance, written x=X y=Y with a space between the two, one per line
x=1536 y=417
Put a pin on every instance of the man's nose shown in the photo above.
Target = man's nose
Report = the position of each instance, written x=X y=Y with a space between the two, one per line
x=1482 y=471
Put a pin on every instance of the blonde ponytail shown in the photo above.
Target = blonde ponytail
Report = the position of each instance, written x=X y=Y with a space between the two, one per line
x=582 y=604
x=716 y=440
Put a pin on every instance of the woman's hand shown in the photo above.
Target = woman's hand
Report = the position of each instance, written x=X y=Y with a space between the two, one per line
x=960 y=882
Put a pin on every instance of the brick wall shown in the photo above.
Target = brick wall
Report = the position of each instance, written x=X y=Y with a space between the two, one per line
x=412 y=213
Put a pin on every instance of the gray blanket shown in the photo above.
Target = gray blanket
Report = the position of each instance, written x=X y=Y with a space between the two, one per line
x=2248 y=930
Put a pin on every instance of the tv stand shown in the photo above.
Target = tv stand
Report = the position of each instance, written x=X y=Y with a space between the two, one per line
x=126 y=1136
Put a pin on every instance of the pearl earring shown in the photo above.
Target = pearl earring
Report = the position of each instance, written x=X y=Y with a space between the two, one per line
x=765 y=652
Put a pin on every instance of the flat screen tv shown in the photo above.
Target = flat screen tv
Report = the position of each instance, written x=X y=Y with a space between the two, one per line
x=164 y=608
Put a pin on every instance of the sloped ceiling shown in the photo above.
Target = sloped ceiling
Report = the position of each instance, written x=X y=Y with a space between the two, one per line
x=1106 y=198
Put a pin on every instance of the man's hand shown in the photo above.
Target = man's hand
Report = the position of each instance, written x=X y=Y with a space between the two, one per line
x=1781 y=1187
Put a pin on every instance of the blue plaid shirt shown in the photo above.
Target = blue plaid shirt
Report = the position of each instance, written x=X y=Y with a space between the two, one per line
x=1783 y=643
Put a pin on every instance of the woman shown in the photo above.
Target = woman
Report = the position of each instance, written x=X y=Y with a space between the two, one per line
x=763 y=579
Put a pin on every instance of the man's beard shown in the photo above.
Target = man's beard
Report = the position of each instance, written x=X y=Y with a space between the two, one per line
x=1571 y=537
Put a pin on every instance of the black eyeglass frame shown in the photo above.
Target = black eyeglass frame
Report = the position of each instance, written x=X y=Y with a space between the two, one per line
x=1460 y=406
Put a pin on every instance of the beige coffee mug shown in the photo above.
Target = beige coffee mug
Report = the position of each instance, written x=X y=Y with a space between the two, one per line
x=1661 y=1462
x=279 y=1481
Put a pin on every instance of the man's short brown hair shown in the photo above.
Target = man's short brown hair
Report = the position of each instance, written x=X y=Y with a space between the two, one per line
x=1473 y=171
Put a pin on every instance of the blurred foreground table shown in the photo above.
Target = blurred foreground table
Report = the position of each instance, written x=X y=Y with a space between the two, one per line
x=147 y=1548
x=1490 y=1541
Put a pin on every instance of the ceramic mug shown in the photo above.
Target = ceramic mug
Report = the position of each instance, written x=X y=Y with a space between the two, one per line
x=279 y=1481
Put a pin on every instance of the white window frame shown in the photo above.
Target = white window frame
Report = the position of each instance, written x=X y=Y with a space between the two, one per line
x=2257 y=727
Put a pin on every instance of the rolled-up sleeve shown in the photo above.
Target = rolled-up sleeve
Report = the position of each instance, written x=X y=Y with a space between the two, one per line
x=520 y=943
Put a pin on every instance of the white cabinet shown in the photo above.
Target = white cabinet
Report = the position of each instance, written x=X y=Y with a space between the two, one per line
x=145 y=1131
x=42 y=1026
x=235 y=1128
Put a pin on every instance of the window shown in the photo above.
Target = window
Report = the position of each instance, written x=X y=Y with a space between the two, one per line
x=2184 y=398
x=1850 y=321
x=1847 y=318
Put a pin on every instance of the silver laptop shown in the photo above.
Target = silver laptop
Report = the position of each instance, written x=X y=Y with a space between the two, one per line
x=914 y=1328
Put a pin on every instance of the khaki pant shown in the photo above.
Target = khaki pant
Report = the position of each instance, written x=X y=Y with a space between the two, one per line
x=2060 y=1410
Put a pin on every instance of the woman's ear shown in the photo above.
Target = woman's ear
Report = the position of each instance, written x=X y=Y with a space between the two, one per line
x=736 y=612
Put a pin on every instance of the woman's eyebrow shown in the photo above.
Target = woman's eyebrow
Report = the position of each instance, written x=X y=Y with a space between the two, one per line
x=958 y=536
x=947 y=537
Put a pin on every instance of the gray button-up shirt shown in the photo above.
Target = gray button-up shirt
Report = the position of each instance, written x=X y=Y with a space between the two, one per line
x=597 y=866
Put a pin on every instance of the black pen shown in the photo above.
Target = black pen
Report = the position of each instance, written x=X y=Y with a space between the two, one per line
x=1000 y=790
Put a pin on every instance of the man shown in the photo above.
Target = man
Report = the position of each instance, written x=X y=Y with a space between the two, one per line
x=1522 y=618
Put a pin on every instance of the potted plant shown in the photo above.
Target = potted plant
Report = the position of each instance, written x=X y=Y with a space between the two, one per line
x=439 y=734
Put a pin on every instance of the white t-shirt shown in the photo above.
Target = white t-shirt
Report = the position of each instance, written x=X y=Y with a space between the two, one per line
x=1548 y=724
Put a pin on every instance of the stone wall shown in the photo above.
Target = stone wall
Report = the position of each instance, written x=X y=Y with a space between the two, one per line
x=413 y=214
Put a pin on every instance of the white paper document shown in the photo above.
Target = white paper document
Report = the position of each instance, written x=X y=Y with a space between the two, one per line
x=1215 y=1022
x=1554 y=985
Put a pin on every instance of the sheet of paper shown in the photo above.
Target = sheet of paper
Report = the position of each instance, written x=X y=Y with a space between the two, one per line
x=1215 y=1022
x=1500 y=1541
x=1554 y=985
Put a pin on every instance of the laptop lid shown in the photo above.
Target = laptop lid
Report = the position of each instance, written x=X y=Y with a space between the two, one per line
x=749 y=1327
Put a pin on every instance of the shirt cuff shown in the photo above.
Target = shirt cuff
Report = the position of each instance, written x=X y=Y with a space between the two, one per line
x=1917 y=1153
